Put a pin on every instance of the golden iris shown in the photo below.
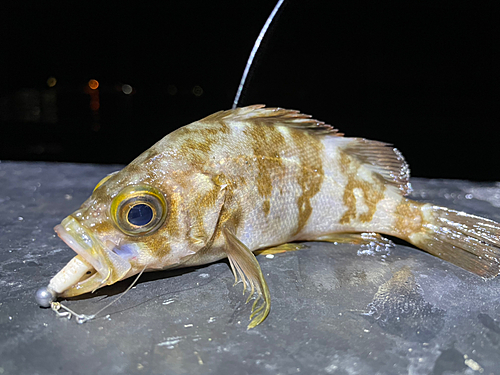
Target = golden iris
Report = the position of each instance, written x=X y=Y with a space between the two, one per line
x=138 y=210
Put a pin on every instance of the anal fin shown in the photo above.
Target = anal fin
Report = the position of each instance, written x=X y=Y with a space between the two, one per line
x=245 y=265
x=365 y=238
x=280 y=249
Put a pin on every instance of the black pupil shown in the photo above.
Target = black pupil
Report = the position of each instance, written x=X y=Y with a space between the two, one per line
x=140 y=214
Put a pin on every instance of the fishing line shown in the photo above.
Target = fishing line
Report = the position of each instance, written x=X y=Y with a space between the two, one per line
x=83 y=318
x=254 y=52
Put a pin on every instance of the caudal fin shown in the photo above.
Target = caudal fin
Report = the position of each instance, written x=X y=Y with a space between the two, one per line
x=468 y=241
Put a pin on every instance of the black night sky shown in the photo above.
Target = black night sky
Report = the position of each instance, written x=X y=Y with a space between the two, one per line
x=421 y=75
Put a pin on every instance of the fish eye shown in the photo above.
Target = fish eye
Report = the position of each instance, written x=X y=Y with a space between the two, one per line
x=138 y=210
x=140 y=214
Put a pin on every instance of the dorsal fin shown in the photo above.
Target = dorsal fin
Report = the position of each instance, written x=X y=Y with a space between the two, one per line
x=379 y=157
x=383 y=159
x=274 y=116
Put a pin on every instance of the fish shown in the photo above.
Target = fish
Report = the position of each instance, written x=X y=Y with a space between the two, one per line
x=253 y=178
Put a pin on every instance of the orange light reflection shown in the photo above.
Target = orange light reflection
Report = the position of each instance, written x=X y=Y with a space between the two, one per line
x=94 y=105
x=93 y=84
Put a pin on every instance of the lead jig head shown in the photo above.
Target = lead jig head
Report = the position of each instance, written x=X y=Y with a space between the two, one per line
x=45 y=296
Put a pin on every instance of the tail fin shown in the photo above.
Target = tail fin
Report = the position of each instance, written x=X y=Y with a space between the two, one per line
x=468 y=241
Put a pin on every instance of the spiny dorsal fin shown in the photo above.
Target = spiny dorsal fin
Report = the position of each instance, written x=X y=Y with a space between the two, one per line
x=379 y=157
x=383 y=159
x=274 y=116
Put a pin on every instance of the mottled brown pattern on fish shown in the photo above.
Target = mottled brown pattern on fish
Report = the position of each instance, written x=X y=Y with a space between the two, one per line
x=310 y=175
x=201 y=204
x=195 y=151
x=232 y=213
x=146 y=155
x=98 y=217
x=105 y=226
x=235 y=218
x=197 y=141
x=156 y=245
x=409 y=218
x=266 y=207
x=160 y=245
x=373 y=192
x=204 y=128
x=240 y=181
x=172 y=226
x=267 y=144
x=215 y=117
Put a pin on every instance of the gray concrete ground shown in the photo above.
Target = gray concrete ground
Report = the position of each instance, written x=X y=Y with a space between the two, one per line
x=336 y=309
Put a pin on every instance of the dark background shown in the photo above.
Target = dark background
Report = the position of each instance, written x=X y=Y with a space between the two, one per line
x=422 y=75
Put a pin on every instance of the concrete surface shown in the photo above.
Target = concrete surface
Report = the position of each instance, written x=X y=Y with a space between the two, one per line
x=336 y=309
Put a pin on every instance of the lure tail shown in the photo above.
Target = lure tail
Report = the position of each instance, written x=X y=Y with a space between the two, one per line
x=468 y=241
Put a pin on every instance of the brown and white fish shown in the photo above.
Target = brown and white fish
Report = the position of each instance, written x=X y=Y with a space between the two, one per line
x=254 y=178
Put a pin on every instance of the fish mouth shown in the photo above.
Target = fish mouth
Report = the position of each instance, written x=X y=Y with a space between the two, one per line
x=105 y=266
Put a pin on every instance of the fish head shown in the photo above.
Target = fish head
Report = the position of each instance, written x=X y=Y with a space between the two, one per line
x=141 y=219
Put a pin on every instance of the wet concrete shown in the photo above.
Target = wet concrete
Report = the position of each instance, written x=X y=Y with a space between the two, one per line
x=336 y=309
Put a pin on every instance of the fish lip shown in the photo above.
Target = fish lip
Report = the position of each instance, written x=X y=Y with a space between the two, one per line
x=110 y=266
x=71 y=241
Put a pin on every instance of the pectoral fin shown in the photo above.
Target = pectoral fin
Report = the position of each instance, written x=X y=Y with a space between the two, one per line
x=244 y=265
